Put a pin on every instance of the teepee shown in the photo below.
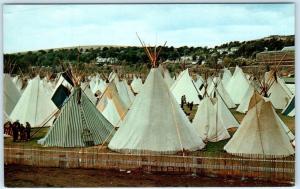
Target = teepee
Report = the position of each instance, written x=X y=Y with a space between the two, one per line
x=155 y=123
x=11 y=95
x=278 y=92
x=124 y=92
x=136 y=84
x=226 y=76
x=207 y=123
x=237 y=85
x=244 y=105
x=79 y=124
x=97 y=84
x=168 y=79
x=217 y=88
x=225 y=117
x=87 y=90
x=112 y=106
x=199 y=82
x=184 y=85
x=260 y=133
x=35 y=105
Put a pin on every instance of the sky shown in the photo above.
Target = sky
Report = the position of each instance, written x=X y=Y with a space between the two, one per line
x=33 y=27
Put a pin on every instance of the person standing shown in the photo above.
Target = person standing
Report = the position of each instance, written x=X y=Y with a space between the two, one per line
x=15 y=131
x=28 y=129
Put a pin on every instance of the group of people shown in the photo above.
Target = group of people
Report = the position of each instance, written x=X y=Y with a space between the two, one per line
x=17 y=130
x=189 y=104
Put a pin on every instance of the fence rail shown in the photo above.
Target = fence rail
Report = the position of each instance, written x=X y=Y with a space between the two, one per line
x=222 y=164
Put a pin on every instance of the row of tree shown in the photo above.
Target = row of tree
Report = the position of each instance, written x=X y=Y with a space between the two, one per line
x=136 y=55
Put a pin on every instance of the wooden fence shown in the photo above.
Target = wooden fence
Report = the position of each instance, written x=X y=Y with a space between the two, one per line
x=221 y=164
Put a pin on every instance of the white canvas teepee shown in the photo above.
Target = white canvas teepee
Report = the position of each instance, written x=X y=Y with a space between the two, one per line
x=97 y=84
x=278 y=92
x=35 y=105
x=225 y=117
x=62 y=81
x=244 y=105
x=199 y=81
x=207 y=123
x=155 y=123
x=184 y=85
x=168 y=79
x=129 y=91
x=217 y=88
x=136 y=84
x=226 y=76
x=112 y=106
x=124 y=92
x=260 y=133
x=11 y=94
x=237 y=85
x=87 y=90
x=208 y=82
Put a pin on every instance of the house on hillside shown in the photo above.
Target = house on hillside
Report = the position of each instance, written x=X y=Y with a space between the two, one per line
x=109 y=60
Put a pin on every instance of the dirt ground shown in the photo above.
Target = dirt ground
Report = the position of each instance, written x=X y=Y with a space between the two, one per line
x=27 y=176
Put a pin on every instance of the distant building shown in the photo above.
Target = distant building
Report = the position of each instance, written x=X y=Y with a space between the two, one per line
x=222 y=50
x=220 y=61
x=109 y=60
x=186 y=58
x=233 y=49
x=286 y=56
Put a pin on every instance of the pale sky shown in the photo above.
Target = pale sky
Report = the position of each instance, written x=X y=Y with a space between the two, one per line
x=33 y=27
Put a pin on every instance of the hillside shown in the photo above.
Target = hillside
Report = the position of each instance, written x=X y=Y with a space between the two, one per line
x=228 y=54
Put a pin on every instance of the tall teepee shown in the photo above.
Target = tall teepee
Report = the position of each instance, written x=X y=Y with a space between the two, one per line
x=226 y=76
x=217 y=88
x=237 y=85
x=278 y=92
x=136 y=84
x=260 y=133
x=199 y=81
x=112 y=106
x=155 y=123
x=35 y=105
x=244 y=105
x=184 y=85
x=79 y=124
x=207 y=123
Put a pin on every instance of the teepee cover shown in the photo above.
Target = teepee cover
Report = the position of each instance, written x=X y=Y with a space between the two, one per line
x=155 y=123
x=35 y=105
x=237 y=85
x=207 y=123
x=260 y=133
x=78 y=123
x=184 y=85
